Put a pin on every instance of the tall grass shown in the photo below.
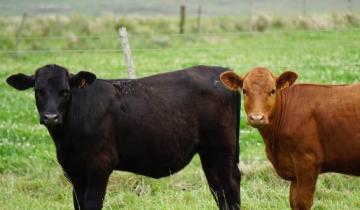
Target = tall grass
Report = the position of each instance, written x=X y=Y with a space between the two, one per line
x=71 y=29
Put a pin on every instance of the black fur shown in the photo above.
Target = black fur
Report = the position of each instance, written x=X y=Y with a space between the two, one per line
x=151 y=126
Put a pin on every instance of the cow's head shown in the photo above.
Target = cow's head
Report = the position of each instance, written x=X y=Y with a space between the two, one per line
x=260 y=88
x=52 y=85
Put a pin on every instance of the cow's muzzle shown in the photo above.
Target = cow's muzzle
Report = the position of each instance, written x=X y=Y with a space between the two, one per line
x=50 y=119
x=257 y=120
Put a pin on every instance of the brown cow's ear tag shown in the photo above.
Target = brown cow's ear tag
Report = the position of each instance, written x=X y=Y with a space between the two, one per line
x=285 y=85
x=82 y=83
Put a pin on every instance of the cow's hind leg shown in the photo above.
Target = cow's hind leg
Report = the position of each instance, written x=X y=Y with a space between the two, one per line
x=223 y=176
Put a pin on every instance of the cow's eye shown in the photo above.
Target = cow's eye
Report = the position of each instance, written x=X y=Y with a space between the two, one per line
x=244 y=92
x=272 y=92
x=64 y=93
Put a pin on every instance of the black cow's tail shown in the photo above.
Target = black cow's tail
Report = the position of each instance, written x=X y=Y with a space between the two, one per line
x=238 y=108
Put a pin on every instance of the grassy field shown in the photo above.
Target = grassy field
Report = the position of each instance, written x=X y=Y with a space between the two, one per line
x=30 y=177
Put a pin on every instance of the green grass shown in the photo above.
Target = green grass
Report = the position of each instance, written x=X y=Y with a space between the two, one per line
x=30 y=177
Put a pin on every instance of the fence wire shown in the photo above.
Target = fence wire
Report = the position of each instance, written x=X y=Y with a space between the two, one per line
x=112 y=50
x=133 y=35
x=193 y=49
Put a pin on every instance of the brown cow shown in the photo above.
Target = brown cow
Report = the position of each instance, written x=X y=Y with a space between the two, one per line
x=308 y=129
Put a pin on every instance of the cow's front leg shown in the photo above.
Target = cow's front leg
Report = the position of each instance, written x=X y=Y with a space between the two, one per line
x=79 y=181
x=292 y=194
x=79 y=187
x=96 y=188
x=302 y=189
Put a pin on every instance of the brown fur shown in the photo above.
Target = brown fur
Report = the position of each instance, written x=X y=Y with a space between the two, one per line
x=312 y=129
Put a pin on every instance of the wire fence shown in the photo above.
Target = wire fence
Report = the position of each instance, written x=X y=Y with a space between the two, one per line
x=335 y=32
x=185 y=35
x=115 y=50
x=338 y=32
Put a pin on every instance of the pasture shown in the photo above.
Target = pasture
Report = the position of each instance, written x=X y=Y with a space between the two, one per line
x=31 y=178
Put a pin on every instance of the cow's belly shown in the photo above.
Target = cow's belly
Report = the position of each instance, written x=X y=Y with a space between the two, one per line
x=346 y=165
x=339 y=133
x=342 y=152
x=156 y=161
x=155 y=167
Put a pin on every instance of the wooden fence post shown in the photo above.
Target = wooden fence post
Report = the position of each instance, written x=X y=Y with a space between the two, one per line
x=251 y=9
x=127 y=52
x=182 y=19
x=252 y=19
x=304 y=7
x=18 y=33
x=349 y=6
x=199 y=19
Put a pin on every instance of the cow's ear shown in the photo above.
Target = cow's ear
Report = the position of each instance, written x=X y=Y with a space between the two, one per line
x=21 y=81
x=81 y=79
x=231 y=80
x=286 y=79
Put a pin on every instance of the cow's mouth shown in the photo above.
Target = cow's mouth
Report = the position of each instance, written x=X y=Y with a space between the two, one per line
x=257 y=125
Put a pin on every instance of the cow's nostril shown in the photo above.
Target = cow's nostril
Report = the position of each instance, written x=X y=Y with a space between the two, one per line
x=257 y=117
x=51 y=117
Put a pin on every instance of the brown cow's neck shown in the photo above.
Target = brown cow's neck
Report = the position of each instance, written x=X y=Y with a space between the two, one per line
x=270 y=132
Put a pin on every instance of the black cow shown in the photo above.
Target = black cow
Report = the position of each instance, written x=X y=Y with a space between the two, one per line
x=151 y=126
